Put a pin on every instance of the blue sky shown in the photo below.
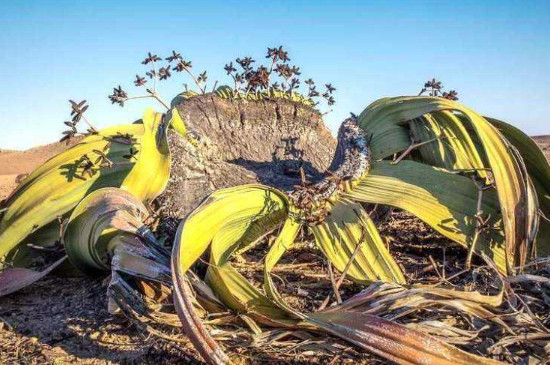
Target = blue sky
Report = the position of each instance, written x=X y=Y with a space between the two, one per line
x=495 y=53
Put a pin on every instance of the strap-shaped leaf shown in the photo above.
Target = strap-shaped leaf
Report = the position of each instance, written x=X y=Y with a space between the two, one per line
x=225 y=222
x=452 y=146
x=16 y=278
x=151 y=172
x=512 y=185
x=385 y=122
x=284 y=241
x=392 y=340
x=234 y=289
x=134 y=157
x=377 y=335
x=232 y=218
x=539 y=171
x=338 y=236
x=222 y=206
x=95 y=221
x=444 y=200
x=56 y=187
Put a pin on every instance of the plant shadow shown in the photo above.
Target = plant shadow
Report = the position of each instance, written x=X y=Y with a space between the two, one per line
x=281 y=174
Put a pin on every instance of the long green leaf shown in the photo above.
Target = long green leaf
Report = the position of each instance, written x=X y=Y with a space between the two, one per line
x=444 y=200
x=227 y=221
x=518 y=208
x=347 y=226
x=539 y=171
x=452 y=148
x=95 y=221
x=54 y=188
x=235 y=217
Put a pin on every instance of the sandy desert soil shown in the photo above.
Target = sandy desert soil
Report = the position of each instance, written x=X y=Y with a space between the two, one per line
x=38 y=328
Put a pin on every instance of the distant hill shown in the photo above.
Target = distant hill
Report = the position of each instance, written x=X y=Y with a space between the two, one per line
x=544 y=143
x=18 y=163
x=542 y=139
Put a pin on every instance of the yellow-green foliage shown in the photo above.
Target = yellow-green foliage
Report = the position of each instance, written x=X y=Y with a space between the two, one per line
x=228 y=93
x=137 y=159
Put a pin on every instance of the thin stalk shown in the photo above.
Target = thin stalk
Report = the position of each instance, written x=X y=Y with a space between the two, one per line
x=89 y=124
x=451 y=277
x=348 y=265
x=432 y=261
x=195 y=80
x=412 y=146
x=336 y=287
x=152 y=94
x=476 y=234
x=159 y=99
x=541 y=214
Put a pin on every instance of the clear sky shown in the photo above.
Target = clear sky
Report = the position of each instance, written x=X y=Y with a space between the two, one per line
x=495 y=53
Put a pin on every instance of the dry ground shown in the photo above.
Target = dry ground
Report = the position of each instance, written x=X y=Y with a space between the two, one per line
x=36 y=327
